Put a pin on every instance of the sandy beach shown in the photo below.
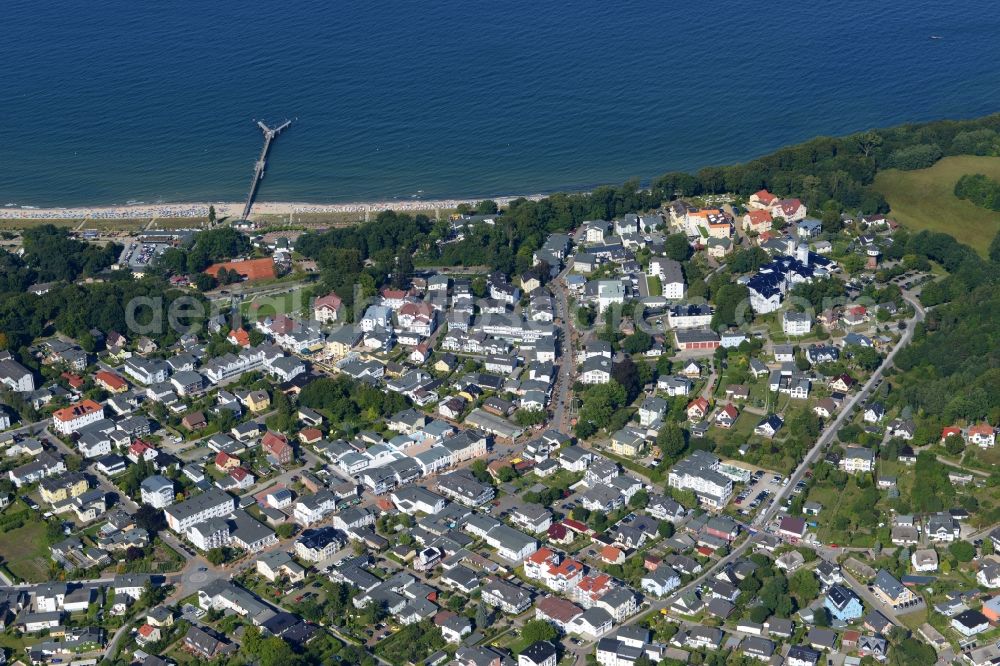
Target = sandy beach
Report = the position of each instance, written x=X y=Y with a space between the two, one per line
x=234 y=209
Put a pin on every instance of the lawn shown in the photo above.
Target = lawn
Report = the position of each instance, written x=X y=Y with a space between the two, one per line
x=129 y=225
x=655 y=288
x=745 y=424
x=26 y=552
x=925 y=199
x=290 y=302
x=112 y=224
x=913 y=620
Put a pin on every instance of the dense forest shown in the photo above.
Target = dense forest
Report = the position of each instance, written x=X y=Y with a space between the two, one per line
x=838 y=172
x=981 y=190
x=74 y=309
x=209 y=247
x=951 y=369
x=371 y=254
x=966 y=269
x=50 y=255
x=347 y=401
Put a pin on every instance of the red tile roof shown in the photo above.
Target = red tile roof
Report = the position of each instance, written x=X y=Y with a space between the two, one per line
x=611 y=554
x=238 y=473
x=76 y=410
x=310 y=434
x=540 y=556
x=764 y=196
x=730 y=411
x=239 y=337
x=331 y=301
x=789 y=206
x=701 y=403
x=112 y=381
x=558 y=609
x=273 y=439
x=75 y=381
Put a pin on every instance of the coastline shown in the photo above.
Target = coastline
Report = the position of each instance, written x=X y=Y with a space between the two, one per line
x=235 y=209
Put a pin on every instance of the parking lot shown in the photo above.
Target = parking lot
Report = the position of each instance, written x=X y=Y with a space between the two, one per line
x=759 y=492
x=139 y=255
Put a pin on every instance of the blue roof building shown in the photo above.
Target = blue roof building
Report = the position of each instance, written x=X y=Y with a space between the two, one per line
x=843 y=604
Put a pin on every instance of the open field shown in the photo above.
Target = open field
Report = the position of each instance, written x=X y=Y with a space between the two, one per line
x=130 y=225
x=26 y=553
x=11 y=224
x=925 y=199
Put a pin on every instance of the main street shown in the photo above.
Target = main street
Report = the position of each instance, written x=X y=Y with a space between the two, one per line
x=567 y=364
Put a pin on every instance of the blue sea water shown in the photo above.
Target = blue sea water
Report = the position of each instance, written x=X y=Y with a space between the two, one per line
x=112 y=100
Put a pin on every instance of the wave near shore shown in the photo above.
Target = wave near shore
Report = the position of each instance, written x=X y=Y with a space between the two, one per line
x=235 y=209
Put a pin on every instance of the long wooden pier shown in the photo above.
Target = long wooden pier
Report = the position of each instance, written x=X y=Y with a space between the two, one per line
x=258 y=171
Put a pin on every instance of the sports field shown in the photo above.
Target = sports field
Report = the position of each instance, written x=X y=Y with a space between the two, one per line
x=925 y=199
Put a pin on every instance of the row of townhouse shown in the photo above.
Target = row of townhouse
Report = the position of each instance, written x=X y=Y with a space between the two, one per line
x=446 y=449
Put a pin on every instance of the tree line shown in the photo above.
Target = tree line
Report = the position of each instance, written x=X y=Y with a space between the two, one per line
x=831 y=175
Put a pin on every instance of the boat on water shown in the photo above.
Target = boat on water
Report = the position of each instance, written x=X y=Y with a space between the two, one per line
x=936 y=37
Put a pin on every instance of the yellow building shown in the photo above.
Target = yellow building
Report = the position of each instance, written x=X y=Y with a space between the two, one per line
x=627 y=442
x=258 y=401
x=67 y=486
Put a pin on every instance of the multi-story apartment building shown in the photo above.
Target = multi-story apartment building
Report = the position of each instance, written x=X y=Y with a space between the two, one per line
x=699 y=472
x=213 y=503
x=78 y=415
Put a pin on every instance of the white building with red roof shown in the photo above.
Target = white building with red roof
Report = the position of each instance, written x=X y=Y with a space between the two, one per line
x=140 y=450
x=761 y=200
x=553 y=569
x=982 y=435
x=758 y=221
x=78 y=415
x=418 y=318
x=326 y=309
x=277 y=447
x=791 y=210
